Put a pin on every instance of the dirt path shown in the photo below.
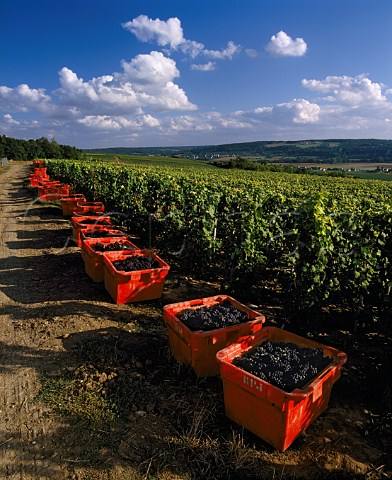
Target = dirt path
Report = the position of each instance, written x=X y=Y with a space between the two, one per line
x=44 y=298
x=25 y=449
x=23 y=424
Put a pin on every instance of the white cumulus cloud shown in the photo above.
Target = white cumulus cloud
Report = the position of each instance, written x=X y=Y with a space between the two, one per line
x=169 y=33
x=10 y=120
x=187 y=123
x=229 y=52
x=106 y=122
x=192 y=48
x=204 y=67
x=143 y=105
x=153 y=68
x=297 y=111
x=250 y=52
x=146 y=81
x=146 y=29
x=283 y=45
x=23 y=98
x=352 y=91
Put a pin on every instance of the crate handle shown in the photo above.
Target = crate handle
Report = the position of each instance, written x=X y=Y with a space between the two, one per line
x=317 y=385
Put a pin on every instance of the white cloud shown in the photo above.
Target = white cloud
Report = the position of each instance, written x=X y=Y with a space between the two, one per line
x=23 y=98
x=106 y=122
x=351 y=91
x=192 y=48
x=169 y=33
x=304 y=111
x=150 y=121
x=172 y=98
x=283 y=45
x=138 y=106
x=230 y=122
x=98 y=95
x=146 y=29
x=153 y=68
x=212 y=122
x=10 y=120
x=146 y=82
x=187 y=123
x=297 y=111
x=205 y=67
x=120 y=102
x=229 y=52
x=250 y=52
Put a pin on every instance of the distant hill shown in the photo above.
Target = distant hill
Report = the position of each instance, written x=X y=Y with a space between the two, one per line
x=322 y=151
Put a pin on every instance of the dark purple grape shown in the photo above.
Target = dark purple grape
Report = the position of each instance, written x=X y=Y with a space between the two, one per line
x=135 y=262
x=212 y=317
x=284 y=365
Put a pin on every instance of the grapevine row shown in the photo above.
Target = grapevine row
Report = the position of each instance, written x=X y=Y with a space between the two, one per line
x=331 y=236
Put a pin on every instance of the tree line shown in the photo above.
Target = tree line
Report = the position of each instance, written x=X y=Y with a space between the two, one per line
x=15 y=149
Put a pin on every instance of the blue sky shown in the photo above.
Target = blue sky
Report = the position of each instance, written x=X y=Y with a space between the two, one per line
x=95 y=73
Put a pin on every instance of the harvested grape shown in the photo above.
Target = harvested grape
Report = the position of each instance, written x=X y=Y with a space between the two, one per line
x=212 y=317
x=101 y=234
x=110 y=247
x=284 y=365
x=135 y=262
x=92 y=221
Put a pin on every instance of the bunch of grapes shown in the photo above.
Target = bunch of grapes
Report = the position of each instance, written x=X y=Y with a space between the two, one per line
x=135 y=262
x=101 y=234
x=213 y=317
x=284 y=365
x=109 y=247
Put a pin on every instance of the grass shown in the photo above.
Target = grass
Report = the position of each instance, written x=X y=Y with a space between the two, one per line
x=127 y=397
x=371 y=175
x=150 y=160
x=70 y=397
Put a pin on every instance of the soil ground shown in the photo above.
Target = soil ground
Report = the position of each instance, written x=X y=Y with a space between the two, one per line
x=152 y=417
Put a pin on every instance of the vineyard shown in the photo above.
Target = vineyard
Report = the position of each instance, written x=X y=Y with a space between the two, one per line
x=326 y=240
x=101 y=385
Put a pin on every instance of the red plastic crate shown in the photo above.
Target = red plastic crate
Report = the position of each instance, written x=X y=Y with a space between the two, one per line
x=270 y=413
x=43 y=184
x=136 y=286
x=49 y=181
x=39 y=172
x=36 y=180
x=46 y=188
x=54 y=193
x=93 y=260
x=85 y=208
x=89 y=213
x=199 y=348
x=110 y=230
x=68 y=204
x=78 y=225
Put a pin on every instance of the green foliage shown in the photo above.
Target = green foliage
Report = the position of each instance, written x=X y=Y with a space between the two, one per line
x=248 y=164
x=331 y=236
x=41 y=148
x=239 y=162
x=67 y=396
x=148 y=160
x=321 y=151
